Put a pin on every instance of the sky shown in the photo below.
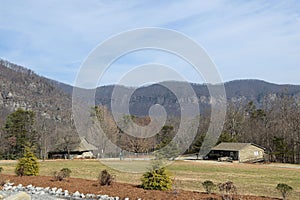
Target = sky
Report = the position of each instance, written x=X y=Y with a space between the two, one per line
x=245 y=39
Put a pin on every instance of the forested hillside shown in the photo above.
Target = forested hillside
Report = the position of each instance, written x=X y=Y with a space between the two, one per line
x=238 y=92
x=21 y=88
x=259 y=112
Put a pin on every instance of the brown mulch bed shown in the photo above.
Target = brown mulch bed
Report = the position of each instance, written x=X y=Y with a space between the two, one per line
x=121 y=190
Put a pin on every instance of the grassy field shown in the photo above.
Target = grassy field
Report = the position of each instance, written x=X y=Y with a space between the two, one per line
x=254 y=179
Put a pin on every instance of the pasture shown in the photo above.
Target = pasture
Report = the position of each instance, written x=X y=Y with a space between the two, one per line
x=250 y=179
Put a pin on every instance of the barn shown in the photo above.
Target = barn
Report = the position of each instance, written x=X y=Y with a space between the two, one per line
x=242 y=152
x=82 y=150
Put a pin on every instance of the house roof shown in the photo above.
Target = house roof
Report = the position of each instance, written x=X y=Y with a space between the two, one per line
x=84 y=146
x=229 y=146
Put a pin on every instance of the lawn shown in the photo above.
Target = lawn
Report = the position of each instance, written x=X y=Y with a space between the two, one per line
x=254 y=179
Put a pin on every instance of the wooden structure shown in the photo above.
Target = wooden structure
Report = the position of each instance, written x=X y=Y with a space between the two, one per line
x=79 y=151
x=242 y=152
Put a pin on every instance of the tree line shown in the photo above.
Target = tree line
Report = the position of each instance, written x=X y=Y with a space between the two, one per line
x=274 y=126
x=23 y=129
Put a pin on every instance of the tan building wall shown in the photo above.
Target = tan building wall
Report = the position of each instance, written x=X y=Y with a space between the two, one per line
x=250 y=152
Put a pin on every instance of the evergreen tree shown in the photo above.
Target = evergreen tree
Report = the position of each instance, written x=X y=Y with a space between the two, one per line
x=28 y=165
x=20 y=132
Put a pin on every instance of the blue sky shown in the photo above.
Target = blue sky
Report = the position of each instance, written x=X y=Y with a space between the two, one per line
x=245 y=39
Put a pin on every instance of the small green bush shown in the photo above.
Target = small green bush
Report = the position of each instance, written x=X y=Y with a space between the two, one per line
x=1 y=169
x=105 y=178
x=62 y=174
x=284 y=189
x=156 y=179
x=28 y=165
x=209 y=186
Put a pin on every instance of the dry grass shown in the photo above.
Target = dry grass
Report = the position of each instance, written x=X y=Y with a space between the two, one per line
x=254 y=179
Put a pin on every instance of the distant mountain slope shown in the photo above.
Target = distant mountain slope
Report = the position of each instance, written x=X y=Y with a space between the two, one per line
x=255 y=89
x=67 y=89
x=22 y=88
x=239 y=91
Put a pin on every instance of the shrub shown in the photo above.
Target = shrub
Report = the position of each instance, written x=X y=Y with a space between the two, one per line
x=156 y=179
x=105 y=178
x=66 y=171
x=209 y=186
x=28 y=165
x=228 y=190
x=1 y=169
x=62 y=174
x=284 y=189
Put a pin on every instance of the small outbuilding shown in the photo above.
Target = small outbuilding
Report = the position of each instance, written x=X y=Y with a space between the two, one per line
x=242 y=152
x=82 y=150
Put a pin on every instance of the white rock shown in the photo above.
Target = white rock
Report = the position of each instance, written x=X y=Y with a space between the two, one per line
x=8 y=188
x=35 y=192
x=20 y=187
x=39 y=188
x=76 y=194
x=67 y=194
x=90 y=196
x=59 y=191
x=11 y=184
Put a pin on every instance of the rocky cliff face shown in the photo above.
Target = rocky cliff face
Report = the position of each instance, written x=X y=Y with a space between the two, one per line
x=22 y=88
x=237 y=92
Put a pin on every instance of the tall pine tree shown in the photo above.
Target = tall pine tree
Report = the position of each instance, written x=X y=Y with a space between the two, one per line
x=20 y=133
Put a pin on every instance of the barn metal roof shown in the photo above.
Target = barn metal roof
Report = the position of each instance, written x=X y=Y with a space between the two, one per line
x=230 y=146
x=84 y=146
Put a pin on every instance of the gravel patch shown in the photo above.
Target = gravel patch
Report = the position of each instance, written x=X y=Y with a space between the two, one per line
x=40 y=193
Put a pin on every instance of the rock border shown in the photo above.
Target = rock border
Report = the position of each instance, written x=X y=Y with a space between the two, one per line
x=55 y=192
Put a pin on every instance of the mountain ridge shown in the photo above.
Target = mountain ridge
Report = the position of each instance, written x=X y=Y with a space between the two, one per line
x=237 y=91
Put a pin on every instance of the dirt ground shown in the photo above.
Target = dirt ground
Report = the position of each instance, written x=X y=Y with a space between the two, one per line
x=121 y=190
